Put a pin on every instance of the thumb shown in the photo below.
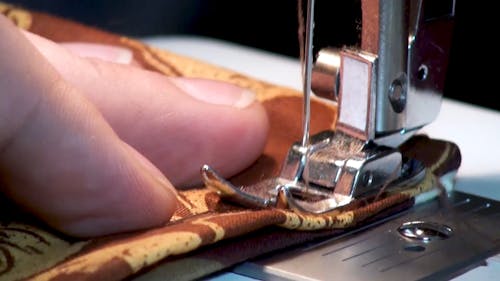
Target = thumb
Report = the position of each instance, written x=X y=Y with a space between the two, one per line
x=61 y=160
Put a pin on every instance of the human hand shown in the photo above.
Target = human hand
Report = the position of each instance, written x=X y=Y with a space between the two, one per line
x=94 y=147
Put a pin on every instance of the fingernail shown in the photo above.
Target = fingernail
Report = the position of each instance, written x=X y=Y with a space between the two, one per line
x=99 y=51
x=215 y=92
x=151 y=169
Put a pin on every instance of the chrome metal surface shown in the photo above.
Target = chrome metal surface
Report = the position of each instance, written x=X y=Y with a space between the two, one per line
x=429 y=44
x=307 y=69
x=377 y=93
x=232 y=193
x=425 y=231
x=392 y=62
x=332 y=171
x=325 y=79
x=399 y=88
x=379 y=252
x=414 y=45
x=351 y=168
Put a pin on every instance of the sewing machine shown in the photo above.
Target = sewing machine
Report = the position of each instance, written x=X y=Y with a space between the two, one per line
x=394 y=84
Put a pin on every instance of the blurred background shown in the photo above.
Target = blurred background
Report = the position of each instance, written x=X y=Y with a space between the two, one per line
x=271 y=25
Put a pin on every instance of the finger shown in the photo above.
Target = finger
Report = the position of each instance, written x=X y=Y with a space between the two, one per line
x=178 y=123
x=104 y=52
x=60 y=159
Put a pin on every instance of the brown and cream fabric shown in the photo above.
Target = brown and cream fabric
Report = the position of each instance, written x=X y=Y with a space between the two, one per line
x=205 y=234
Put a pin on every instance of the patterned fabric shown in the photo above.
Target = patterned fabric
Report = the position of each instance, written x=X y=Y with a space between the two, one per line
x=205 y=234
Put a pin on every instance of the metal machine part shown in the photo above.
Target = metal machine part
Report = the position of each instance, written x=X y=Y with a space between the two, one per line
x=333 y=171
x=379 y=95
x=326 y=74
x=434 y=241
x=384 y=94
x=398 y=86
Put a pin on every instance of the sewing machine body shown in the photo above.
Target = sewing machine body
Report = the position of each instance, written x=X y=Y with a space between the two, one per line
x=380 y=252
x=466 y=125
x=387 y=89
x=386 y=92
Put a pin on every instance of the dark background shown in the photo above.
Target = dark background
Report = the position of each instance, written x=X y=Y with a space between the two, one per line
x=272 y=25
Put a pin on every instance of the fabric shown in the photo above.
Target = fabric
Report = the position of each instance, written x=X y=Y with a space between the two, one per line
x=205 y=234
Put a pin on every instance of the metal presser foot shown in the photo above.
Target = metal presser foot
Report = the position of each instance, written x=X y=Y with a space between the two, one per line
x=384 y=94
x=334 y=170
x=385 y=91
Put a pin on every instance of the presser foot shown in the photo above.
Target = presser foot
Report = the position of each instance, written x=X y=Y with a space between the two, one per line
x=332 y=171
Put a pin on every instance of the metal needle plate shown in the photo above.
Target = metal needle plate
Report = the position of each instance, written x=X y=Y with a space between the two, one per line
x=464 y=231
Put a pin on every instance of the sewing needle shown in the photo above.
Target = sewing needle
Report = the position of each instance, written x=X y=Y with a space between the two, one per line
x=307 y=70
